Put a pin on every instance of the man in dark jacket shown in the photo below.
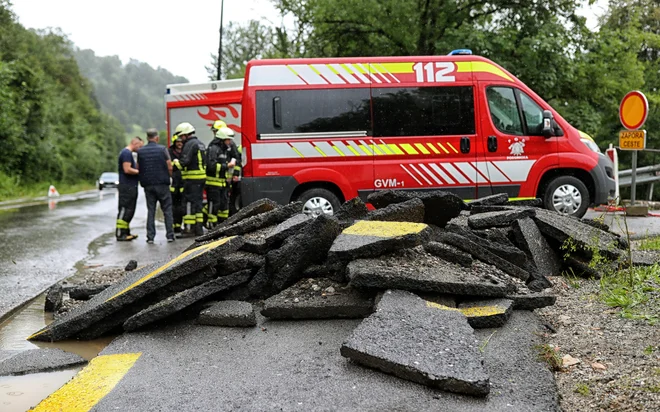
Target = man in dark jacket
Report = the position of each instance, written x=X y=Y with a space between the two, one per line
x=155 y=172
x=193 y=170
x=128 y=190
x=176 y=188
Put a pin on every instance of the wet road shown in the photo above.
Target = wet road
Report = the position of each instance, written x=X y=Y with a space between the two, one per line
x=44 y=243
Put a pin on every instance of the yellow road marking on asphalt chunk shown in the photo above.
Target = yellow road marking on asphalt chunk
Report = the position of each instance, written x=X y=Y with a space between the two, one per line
x=474 y=312
x=90 y=385
x=193 y=252
x=384 y=229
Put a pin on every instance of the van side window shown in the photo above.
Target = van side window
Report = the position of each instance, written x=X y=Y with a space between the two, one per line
x=533 y=115
x=423 y=111
x=504 y=110
x=313 y=111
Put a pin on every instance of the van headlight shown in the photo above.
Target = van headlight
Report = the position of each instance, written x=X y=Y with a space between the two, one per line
x=591 y=145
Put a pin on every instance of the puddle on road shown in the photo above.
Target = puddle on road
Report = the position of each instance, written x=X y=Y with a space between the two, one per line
x=20 y=393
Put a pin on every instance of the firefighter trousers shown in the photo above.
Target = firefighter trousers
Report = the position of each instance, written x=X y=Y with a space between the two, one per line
x=128 y=195
x=217 y=198
x=193 y=193
x=178 y=207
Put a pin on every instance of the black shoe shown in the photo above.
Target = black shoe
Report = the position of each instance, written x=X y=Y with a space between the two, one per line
x=126 y=238
x=170 y=239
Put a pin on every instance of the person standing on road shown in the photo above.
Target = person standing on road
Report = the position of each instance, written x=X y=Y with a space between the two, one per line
x=216 y=182
x=193 y=171
x=128 y=190
x=234 y=154
x=155 y=172
x=176 y=188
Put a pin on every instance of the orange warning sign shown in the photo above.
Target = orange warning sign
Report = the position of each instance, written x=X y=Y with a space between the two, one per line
x=633 y=110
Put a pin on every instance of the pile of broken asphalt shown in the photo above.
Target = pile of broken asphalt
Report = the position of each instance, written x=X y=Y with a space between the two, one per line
x=423 y=269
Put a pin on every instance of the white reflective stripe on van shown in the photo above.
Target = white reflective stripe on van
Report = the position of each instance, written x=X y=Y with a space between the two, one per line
x=273 y=75
x=515 y=170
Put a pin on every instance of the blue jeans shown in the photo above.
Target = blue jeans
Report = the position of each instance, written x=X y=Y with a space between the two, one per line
x=161 y=194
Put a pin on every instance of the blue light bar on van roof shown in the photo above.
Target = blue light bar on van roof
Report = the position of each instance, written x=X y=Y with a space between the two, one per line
x=460 y=52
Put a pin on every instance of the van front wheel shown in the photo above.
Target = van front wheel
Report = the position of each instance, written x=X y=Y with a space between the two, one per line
x=319 y=201
x=567 y=195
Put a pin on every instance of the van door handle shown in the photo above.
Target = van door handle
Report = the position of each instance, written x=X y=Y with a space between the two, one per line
x=465 y=145
x=492 y=144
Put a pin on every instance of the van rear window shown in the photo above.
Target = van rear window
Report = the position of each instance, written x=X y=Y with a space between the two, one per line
x=423 y=111
x=313 y=111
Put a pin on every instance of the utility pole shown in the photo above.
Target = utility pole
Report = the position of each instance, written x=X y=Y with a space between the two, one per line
x=222 y=10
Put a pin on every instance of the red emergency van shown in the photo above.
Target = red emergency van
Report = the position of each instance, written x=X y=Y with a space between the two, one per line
x=326 y=130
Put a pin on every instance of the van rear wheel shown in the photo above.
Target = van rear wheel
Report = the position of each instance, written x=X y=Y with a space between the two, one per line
x=319 y=201
x=567 y=195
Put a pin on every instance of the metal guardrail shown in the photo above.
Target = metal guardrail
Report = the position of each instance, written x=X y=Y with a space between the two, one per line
x=648 y=176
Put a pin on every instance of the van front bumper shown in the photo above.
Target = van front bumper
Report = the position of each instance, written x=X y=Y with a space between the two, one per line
x=604 y=184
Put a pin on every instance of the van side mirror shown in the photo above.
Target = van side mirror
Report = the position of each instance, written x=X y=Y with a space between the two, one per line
x=547 y=130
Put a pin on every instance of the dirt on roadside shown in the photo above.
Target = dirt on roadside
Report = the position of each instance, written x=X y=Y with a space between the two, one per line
x=616 y=361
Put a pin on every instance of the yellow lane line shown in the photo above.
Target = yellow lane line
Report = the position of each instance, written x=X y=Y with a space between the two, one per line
x=90 y=385
x=384 y=229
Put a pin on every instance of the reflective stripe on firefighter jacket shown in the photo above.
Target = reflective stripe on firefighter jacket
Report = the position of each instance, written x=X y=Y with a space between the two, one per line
x=192 y=161
x=233 y=152
x=216 y=164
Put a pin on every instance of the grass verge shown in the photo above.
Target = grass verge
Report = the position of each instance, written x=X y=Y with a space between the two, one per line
x=41 y=189
x=639 y=297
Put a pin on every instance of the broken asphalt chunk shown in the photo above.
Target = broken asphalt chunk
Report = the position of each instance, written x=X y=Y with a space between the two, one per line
x=481 y=253
x=585 y=237
x=416 y=270
x=182 y=300
x=352 y=210
x=289 y=227
x=228 y=313
x=406 y=338
x=54 y=298
x=85 y=292
x=309 y=246
x=38 y=360
x=497 y=199
x=409 y=211
x=318 y=299
x=126 y=295
x=439 y=206
x=449 y=253
x=253 y=223
x=498 y=219
x=255 y=208
x=487 y=313
x=528 y=300
x=374 y=238
x=237 y=261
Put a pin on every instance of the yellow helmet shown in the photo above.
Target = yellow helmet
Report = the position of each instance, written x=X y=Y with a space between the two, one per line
x=224 y=133
x=184 y=128
x=218 y=124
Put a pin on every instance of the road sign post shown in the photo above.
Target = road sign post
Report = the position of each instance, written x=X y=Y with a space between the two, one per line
x=633 y=111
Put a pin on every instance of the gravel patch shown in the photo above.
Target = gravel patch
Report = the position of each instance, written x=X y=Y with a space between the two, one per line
x=616 y=361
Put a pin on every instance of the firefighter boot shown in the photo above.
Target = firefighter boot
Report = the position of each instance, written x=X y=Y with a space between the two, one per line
x=123 y=235
x=199 y=229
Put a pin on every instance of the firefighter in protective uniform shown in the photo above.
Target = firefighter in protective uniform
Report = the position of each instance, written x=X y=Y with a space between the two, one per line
x=233 y=171
x=216 y=171
x=176 y=188
x=193 y=171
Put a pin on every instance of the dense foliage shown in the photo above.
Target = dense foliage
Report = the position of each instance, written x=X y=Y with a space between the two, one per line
x=133 y=92
x=51 y=127
x=584 y=74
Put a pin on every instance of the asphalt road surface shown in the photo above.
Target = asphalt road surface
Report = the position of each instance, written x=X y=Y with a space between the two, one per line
x=42 y=244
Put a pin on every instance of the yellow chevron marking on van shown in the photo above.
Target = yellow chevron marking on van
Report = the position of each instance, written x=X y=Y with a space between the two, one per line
x=292 y=70
x=406 y=67
x=347 y=68
x=383 y=229
x=314 y=69
x=358 y=67
x=452 y=147
x=395 y=149
x=436 y=151
x=365 y=149
x=90 y=385
x=443 y=148
x=385 y=149
x=338 y=151
x=355 y=152
x=320 y=151
x=481 y=67
x=375 y=149
x=297 y=151
x=422 y=148
x=332 y=69
x=409 y=149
